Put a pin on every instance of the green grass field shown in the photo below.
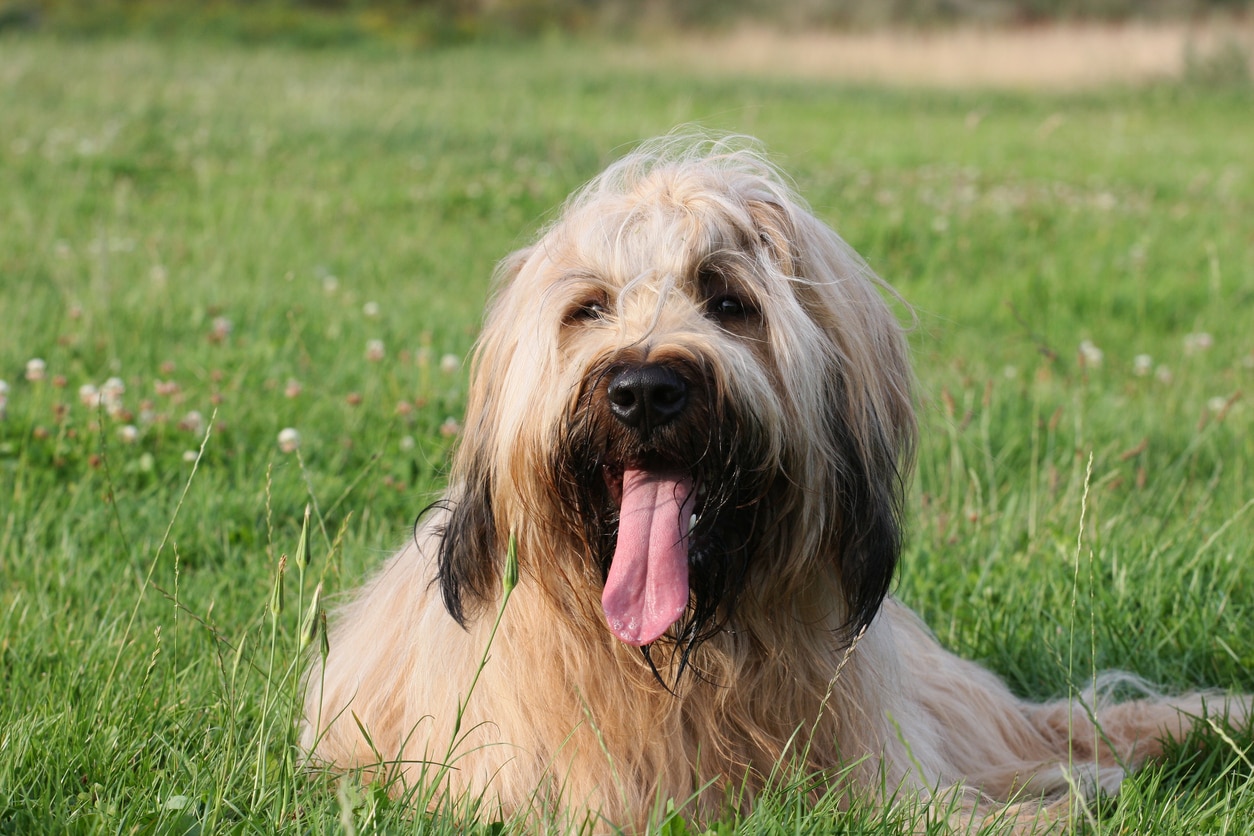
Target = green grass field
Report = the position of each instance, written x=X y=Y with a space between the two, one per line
x=225 y=230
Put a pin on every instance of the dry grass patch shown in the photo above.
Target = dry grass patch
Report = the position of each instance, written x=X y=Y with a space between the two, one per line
x=1062 y=57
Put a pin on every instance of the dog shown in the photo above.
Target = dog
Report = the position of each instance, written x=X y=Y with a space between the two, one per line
x=689 y=432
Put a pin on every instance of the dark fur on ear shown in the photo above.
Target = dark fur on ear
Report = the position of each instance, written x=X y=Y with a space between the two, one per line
x=472 y=551
x=867 y=481
x=868 y=538
x=468 y=542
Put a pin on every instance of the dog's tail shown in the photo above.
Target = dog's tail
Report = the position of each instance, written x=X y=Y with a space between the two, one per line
x=971 y=729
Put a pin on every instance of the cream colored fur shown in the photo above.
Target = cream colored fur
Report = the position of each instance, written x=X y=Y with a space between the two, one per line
x=565 y=720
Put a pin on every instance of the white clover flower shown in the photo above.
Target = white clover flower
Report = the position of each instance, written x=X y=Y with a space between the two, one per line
x=89 y=396
x=1217 y=404
x=129 y=433
x=111 y=393
x=193 y=422
x=222 y=327
x=1090 y=355
x=1163 y=374
x=375 y=351
x=36 y=369
x=190 y=456
x=289 y=440
x=1142 y=365
x=293 y=388
x=370 y=309
x=407 y=442
x=450 y=363
x=1200 y=341
x=4 y=389
x=330 y=284
x=450 y=427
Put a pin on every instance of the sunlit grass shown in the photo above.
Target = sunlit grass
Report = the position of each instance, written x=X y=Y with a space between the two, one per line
x=253 y=276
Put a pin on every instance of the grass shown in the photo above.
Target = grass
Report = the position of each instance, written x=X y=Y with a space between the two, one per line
x=211 y=224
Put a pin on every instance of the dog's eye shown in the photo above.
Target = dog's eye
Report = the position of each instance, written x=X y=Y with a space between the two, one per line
x=729 y=307
x=589 y=311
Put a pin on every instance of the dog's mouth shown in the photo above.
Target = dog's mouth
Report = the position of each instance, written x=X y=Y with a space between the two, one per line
x=646 y=588
x=669 y=516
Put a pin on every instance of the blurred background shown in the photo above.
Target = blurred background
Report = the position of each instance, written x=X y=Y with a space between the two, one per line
x=244 y=252
x=951 y=42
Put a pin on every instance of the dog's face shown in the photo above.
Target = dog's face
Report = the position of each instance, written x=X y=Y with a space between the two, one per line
x=689 y=398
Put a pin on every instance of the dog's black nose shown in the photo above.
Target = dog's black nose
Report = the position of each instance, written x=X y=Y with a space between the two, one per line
x=648 y=396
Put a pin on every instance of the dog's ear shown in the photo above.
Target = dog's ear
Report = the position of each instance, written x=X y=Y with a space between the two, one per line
x=468 y=546
x=867 y=410
x=868 y=489
x=471 y=551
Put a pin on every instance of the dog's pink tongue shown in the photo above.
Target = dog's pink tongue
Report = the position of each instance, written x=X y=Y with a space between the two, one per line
x=647 y=588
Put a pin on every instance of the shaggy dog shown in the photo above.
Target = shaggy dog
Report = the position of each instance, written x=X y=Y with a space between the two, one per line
x=691 y=420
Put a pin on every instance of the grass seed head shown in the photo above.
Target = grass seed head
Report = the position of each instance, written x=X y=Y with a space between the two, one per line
x=276 y=592
x=510 y=578
x=305 y=547
x=310 y=623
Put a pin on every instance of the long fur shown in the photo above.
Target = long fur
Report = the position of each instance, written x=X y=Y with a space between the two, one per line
x=797 y=427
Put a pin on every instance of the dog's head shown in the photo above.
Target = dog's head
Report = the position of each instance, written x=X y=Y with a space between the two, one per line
x=691 y=399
